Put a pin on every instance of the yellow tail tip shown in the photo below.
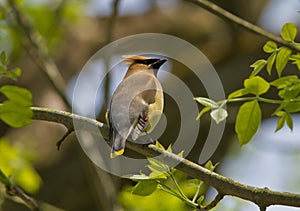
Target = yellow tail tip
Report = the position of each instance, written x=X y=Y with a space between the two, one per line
x=116 y=153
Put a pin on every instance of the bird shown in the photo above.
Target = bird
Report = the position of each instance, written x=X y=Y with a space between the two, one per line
x=137 y=103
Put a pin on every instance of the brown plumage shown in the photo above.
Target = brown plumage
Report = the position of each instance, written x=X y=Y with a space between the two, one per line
x=137 y=103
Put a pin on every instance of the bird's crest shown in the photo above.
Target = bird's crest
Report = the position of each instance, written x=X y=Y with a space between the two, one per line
x=130 y=59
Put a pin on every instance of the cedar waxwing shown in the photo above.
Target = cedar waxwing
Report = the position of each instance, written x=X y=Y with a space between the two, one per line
x=137 y=103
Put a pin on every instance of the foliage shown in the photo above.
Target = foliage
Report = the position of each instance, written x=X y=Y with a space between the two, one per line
x=169 y=180
x=16 y=167
x=288 y=88
x=16 y=161
x=15 y=111
x=47 y=19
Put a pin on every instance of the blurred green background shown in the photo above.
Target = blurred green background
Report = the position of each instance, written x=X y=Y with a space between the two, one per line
x=75 y=29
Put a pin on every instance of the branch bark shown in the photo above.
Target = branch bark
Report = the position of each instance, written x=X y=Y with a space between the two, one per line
x=263 y=197
x=224 y=14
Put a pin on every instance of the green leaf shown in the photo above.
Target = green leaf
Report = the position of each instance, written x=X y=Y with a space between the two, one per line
x=270 y=47
x=219 y=115
x=289 y=32
x=13 y=74
x=282 y=59
x=280 y=123
x=17 y=95
x=4 y=179
x=289 y=121
x=156 y=165
x=206 y=102
x=296 y=60
x=292 y=107
x=200 y=199
x=159 y=145
x=17 y=165
x=169 y=149
x=285 y=81
x=256 y=85
x=15 y=115
x=180 y=154
x=144 y=188
x=270 y=62
x=248 y=121
x=3 y=58
x=290 y=92
x=210 y=166
x=203 y=111
x=258 y=65
x=285 y=118
x=238 y=93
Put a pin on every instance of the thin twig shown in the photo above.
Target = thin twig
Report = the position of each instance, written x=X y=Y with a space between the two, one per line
x=224 y=14
x=112 y=21
x=16 y=191
x=261 y=196
x=214 y=202
x=58 y=143
x=109 y=37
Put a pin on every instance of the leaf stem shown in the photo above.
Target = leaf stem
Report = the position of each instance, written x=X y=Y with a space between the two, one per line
x=261 y=99
x=197 y=192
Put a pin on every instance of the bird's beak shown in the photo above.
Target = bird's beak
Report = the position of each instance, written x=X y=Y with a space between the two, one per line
x=156 y=65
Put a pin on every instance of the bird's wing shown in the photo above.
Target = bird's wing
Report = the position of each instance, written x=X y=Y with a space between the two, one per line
x=140 y=126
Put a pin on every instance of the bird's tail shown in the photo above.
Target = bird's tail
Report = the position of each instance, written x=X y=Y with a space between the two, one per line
x=118 y=145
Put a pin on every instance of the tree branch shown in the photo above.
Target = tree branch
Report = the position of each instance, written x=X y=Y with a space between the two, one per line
x=263 y=197
x=224 y=14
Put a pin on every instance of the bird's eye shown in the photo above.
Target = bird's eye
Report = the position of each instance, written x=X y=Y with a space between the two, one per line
x=146 y=62
x=140 y=61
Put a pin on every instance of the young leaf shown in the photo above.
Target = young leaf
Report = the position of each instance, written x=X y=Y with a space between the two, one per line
x=270 y=62
x=285 y=117
x=270 y=47
x=203 y=111
x=219 y=115
x=280 y=123
x=206 y=102
x=258 y=65
x=289 y=121
x=169 y=149
x=159 y=145
x=238 y=93
x=180 y=154
x=290 y=92
x=292 y=107
x=13 y=74
x=282 y=59
x=247 y=121
x=144 y=188
x=210 y=166
x=285 y=81
x=200 y=199
x=289 y=32
x=296 y=60
x=156 y=165
x=15 y=115
x=3 y=58
x=256 y=85
x=17 y=95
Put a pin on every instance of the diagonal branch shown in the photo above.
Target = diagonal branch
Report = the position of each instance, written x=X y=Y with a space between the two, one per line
x=263 y=197
x=224 y=14
x=37 y=48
